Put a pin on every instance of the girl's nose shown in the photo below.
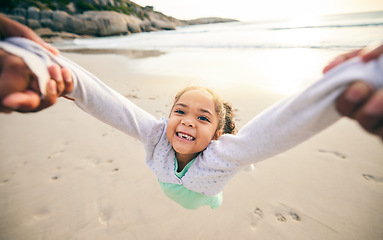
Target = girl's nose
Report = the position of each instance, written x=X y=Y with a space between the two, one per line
x=187 y=122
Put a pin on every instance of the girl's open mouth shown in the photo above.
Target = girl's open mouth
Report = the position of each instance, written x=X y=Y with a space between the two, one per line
x=185 y=136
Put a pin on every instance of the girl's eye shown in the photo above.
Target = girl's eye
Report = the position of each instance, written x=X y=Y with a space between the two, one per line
x=179 y=112
x=204 y=118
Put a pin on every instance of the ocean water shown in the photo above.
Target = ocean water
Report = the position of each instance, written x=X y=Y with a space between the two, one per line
x=342 y=32
x=283 y=56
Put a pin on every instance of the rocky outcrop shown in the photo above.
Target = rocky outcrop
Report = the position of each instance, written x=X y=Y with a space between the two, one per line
x=99 y=23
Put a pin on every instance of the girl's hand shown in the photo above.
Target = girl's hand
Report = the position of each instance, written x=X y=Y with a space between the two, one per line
x=19 y=86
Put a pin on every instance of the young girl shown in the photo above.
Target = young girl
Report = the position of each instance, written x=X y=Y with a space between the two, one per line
x=189 y=152
x=198 y=117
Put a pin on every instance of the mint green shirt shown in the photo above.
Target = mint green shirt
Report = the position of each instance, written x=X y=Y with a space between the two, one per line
x=186 y=197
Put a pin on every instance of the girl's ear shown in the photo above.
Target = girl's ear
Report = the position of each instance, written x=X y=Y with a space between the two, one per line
x=217 y=135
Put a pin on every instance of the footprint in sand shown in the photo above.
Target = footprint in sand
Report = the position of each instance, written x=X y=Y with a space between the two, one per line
x=258 y=212
x=115 y=169
x=280 y=217
x=373 y=178
x=55 y=177
x=132 y=96
x=336 y=154
x=295 y=216
x=292 y=213
x=256 y=217
x=105 y=214
x=4 y=182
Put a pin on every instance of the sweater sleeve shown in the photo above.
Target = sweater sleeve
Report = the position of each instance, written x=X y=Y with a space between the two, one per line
x=107 y=105
x=92 y=95
x=297 y=118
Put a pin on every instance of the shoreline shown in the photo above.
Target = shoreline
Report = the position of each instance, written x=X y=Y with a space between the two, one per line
x=132 y=53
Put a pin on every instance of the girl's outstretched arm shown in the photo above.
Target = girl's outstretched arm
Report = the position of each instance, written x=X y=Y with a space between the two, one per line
x=90 y=93
x=294 y=120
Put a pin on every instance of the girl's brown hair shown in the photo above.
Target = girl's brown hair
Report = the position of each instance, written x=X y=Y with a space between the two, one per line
x=224 y=110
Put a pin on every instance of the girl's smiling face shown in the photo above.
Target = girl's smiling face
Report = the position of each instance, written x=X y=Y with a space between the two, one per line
x=192 y=124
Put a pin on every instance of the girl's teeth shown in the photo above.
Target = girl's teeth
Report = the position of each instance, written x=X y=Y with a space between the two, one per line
x=185 y=136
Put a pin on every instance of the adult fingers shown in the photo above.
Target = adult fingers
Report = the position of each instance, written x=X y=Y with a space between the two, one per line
x=55 y=73
x=26 y=32
x=30 y=101
x=47 y=46
x=340 y=59
x=67 y=76
x=353 y=98
x=370 y=116
x=50 y=98
x=14 y=74
x=22 y=101
x=372 y=51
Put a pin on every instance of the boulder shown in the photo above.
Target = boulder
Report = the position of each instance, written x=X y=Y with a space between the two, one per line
x=33 y=23
x=57 y=27
x=71 y=8
x=46 y=14
x=150 y=29
x=74 y=25
x=133 y=23
x=47 y=23
x=33 y=13
x=60 y=16
x=90 y=27
x=134 y=28
x=159 y=24
x=145 y=25
x=160 y=21
x=108 y=22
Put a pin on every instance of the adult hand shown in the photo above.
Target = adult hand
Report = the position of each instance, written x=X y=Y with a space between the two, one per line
x=368 y=53
x=19 y=86
x=359 y=101
x=11 y=28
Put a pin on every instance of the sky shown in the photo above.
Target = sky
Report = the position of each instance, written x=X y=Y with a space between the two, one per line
x=258 y=10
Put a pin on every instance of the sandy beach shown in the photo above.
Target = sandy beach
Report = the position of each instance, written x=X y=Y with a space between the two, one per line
x=66 y=175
